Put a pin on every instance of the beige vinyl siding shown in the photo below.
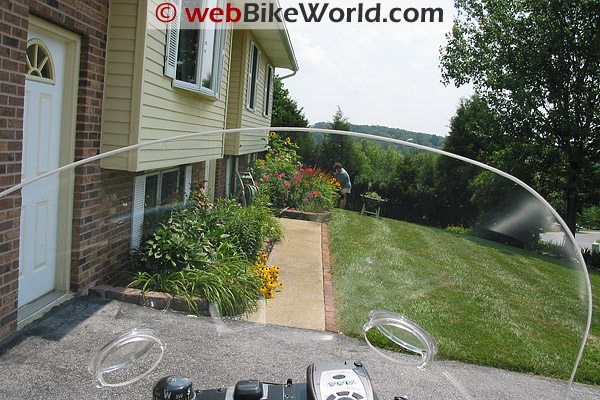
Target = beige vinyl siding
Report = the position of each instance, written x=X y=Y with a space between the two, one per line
x=141 y=103
x=117 y=127
x=239 y=116
x=235 y=99
x=167 y=111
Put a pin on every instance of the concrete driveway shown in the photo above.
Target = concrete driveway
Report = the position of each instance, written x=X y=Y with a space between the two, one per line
x=584 y=239
x=49 y=358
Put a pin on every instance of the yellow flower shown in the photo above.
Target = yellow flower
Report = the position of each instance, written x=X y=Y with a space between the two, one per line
x=287 y=139
x=272 y=135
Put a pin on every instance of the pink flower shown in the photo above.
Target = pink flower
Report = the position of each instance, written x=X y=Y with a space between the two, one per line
x=296 y=177
x=305 y=200
x=286 y=184
x=281 y=175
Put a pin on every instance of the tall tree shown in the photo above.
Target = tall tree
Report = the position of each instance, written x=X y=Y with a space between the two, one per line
x=472 y=133
x=287 y=113
x=339 y=121
x=537 y=65
x=339 y=148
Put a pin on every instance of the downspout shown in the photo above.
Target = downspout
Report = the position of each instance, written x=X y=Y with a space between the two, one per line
x=288 y=76
x=287 y=42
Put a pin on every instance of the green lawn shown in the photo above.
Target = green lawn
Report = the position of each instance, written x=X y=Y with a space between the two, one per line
x=483 y=302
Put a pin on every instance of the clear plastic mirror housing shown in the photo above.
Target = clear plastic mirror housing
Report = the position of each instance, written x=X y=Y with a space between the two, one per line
x=402 y=332
x=128 y=358
x=483 y=297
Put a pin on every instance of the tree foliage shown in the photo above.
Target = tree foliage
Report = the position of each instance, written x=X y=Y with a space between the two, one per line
x=287 y=113
x=339 y=148
x=536 y=63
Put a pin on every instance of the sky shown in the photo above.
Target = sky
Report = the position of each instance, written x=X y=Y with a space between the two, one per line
x=378 y=73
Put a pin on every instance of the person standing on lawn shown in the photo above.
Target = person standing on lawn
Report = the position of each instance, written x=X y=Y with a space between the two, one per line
x=342 y=177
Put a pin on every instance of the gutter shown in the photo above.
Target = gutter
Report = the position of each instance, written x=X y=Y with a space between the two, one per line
x=289 y=75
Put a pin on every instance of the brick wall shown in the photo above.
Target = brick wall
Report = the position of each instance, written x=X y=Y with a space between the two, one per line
x=198 y=174
x=13 y=41
x=88 y=18
x=221 y=178
x=102 y=226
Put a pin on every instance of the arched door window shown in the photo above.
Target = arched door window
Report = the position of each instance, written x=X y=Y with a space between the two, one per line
x=39 y=62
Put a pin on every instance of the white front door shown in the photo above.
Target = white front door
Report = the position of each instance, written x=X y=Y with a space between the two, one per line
x=41 y=150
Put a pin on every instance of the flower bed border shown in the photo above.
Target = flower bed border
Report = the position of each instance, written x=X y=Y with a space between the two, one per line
x=305 y=215
x=156 y=300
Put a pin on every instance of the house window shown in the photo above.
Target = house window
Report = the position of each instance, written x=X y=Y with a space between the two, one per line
x=253 y=76
x=162 y=188
x=268 y=90
x=194 y=57
x=154 y=194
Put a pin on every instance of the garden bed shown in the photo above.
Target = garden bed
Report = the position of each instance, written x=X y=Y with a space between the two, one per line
x=111 y=289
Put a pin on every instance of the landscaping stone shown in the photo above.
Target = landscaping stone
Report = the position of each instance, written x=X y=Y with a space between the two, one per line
x=306 y=216
x=157 y=300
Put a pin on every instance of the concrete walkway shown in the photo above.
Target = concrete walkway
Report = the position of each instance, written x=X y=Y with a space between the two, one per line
x=299 y=256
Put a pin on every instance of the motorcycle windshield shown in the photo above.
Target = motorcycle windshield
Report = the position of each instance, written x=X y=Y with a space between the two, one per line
x=446 y=278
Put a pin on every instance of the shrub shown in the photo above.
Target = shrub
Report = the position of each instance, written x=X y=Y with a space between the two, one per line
x=248 y=227
x=590 y=217
x=281 y=177
x=205 y=250
x=231 y=285
x=592 y=260
x=187 y=239
x=460 y=230
x=547 y=248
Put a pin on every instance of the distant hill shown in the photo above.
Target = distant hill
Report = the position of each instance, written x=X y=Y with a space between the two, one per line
x=425 y=139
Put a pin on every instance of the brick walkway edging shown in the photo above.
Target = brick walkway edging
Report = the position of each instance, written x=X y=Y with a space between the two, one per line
x=330 y=324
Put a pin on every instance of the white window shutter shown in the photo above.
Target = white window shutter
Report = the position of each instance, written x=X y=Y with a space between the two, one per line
x=249 y=76
x=173 y=42
x=187 y=189
x=206 y=175
x=137 y=218
x=228 y=178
